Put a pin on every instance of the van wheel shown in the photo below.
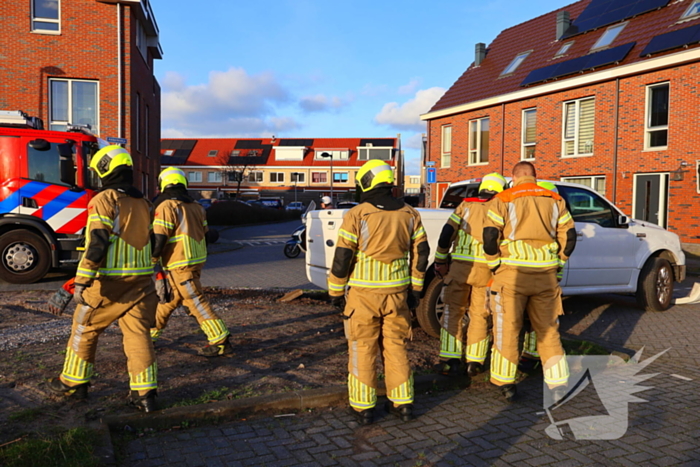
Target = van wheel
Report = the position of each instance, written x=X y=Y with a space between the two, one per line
x=431 y=307
x=655 y=285
x=25 y=257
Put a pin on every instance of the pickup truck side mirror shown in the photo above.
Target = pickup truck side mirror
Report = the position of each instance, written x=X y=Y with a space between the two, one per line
x=623 y=221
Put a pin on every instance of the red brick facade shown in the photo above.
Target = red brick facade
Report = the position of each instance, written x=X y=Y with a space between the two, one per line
x=87 y=48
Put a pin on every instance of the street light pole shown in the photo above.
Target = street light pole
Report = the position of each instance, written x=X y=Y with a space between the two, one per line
x=325 y=154
x=295 y=179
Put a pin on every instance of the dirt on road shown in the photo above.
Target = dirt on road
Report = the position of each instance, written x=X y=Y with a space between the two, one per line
x=279 y=347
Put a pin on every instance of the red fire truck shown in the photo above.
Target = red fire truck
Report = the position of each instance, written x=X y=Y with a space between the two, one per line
x=45 y=187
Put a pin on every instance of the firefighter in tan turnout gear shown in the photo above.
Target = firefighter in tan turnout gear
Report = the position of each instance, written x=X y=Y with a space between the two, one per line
x=114 y=282
x=180 y=229
x=466 y=276
x=382 y=254
x=528 y=236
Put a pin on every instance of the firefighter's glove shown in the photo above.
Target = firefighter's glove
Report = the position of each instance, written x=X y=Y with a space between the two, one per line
x=59 y=301
x=338 y=303
x=413 y=299
x=163 y=288
x=441 y=269
x=78 y=293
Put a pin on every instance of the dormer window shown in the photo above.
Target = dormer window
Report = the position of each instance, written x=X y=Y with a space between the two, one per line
x=563 y=49
x=608 y=36
x=520 y=58
x=693 y=10
x=213 y=153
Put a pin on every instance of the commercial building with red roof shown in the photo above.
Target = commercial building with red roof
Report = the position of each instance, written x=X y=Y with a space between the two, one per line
x=599 y=92
x=293 y=169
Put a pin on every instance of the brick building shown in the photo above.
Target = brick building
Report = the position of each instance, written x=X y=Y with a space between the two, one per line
x=289 y=168
x=86 y=62
x=600 y=92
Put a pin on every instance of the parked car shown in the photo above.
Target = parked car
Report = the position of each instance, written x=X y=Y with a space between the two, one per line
x=206 y=202
x=346 y=205
x=614 y=254
x=295 y=206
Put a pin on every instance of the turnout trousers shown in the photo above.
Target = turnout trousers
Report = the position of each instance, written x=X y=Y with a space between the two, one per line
x=465 y=292
x=512 y=293
x=187 y=290
x=132 y=302
x=377 y=322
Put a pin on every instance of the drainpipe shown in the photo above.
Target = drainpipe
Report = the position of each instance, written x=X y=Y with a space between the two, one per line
x=503 y=138
x=616 y=118
x=119 y=71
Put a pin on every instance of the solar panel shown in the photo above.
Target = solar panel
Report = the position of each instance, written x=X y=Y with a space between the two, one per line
x=296 y=142
x=571 y=66
x=248 y=144
x=672 y=40
x=539 y=74
x=608 y=56
x=601 y=13
x=381 y=142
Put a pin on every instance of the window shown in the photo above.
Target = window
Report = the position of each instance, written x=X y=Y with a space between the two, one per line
x=446 y=153
x=520 y=58
x=298 y=177
x=137 y=121
x=169 y=152
x=338 y=154
x=144 y=184
x=43 y=166
x=608 y=36
x=692 y=11
x=194 y=177
x=212 y=153
x=529 y=133
x=369 y=153
x=255 y=177
x=277 y=177
x=235 y=153
x=141 y=41
x=657 y=116
x=414 y=180
x=46 y=16
x=479 y=141
x=235 y=176
x=586 y=206
x=564 y=48
x=147 y=126
x=214 y=177
x=596 y=182
x=340 y=177
x=579 y=124
x=319 y=177
x=73 y=101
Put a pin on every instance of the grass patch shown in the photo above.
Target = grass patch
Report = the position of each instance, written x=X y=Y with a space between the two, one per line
x=26 y=415
x=209 y=396
x=68 y=448
x=581 y=347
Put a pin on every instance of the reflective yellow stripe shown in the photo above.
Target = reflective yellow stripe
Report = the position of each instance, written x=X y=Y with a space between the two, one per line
x=147 y=379
x=477 y=352
x=347 y=235
x=75 y=369
x=492 y=264
x=87 y=273
x=557 y=374
x=418 y=233
x=336 y=287
x=523 y=254
x=439 y=255
x=450 y=346
x=102 y=219
x=402 y=394
x=530 y=345
x=417 y=282
x=495 y=217
x=565 y=218
x=501 y=369
x=369 y=272
x=384 y=284
x=455 y=218
x=215 y=329
x=467 y=247
x=361 y=396
x=164 y=223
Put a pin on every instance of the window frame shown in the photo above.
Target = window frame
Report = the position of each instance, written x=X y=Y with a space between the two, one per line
x=475 y=152
x=367 y=150
x=619 y=27
x=70 y=81
x=563 y=49
x=347 y=177
x=214 y=151
x=325 y=175
x=36 y=19
x=524 y=145
x=257 y=175
x=344 y=154
x=445 y=156
x=299 y=175
x=648 y=129
x=593 y=179
x=686 y=16
x=216 y=176
x=515 y=63
x=577 y=127
x=277 y=177
x=194 y=176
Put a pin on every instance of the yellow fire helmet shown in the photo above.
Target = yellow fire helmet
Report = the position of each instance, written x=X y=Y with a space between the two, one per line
x=108 y=159
x=548 y=186
x=373 y=173
x=171 y=176
x=494 y=182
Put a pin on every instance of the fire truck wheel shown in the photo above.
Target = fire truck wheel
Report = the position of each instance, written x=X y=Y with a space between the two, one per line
x=25 y=257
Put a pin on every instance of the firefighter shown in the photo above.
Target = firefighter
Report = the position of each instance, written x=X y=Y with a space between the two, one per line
x=180 y=229
x=466 y=277
x=528 y=236
x=382 y=255
x=326 y=202
x=113 y=283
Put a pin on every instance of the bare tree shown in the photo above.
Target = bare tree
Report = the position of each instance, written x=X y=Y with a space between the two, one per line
x=234 y=169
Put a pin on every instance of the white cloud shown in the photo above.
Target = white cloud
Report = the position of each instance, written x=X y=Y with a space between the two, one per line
x=321 y=103
x=406 y=116
x=413 y=142
x=409 y=88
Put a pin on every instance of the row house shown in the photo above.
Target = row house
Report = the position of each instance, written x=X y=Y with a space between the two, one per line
x=602 y=93
x=294 y=169
x=86 y=62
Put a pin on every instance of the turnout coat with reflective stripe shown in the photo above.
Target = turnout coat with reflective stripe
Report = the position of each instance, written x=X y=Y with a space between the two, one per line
x=185 y=225
x=118 y=242
x=467 y=238
x=533 y=223
x=386 y=249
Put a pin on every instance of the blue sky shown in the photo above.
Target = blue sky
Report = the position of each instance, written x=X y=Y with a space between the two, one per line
x=319 y=68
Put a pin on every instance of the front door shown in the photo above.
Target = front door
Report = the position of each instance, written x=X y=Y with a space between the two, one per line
x=651 y=198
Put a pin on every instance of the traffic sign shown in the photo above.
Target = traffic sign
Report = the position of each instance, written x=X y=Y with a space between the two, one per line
x=432 y=177
x=113 y=140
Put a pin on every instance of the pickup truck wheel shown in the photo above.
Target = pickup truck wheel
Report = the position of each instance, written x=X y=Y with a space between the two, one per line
x=655 y=286
x=25 y=257
x=431 y=307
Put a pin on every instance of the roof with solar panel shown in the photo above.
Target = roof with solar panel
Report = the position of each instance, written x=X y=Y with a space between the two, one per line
x=581 y=38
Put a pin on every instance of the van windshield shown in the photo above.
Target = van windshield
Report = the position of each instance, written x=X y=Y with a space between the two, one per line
x=455 y=194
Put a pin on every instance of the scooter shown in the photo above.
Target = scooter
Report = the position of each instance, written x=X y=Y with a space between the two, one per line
x=297 y=243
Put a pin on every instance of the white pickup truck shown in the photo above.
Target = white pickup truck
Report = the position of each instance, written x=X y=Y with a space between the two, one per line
x=614 y=254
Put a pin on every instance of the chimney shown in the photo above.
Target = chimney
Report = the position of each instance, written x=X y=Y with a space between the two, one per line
x=563 y=23
x=479 y=53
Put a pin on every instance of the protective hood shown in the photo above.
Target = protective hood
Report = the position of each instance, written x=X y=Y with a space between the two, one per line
x=177 y=192
x=122 y=179
x=381 y=198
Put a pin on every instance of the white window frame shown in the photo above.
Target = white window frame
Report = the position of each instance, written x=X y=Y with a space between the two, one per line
x=168 y=152
x=515 y=63
x=257 y=175
x=36 y=19
x=213 y=153
x=593 y=179
x=279 y=177
x=319 y=172
x=214 y=177
x=367 y=149
x=526 y=145
x=300 y=177
x=608 y=36
x=475 y=152
x=289 y=153
x=688 y=14
x=70 y=82
x=577 y=124
x=648 y=129
x=347 y=174
x=194 y=177
x=338 y=154
x=563 y=49
x=446 y=147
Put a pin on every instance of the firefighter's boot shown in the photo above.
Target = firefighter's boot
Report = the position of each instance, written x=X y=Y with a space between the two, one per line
x=452 y=368
x=509 y=391
x=403 y=411
x=217 y=350
x=474 y=368
x=60 y=388
x=146 y=403
x=363 y=417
